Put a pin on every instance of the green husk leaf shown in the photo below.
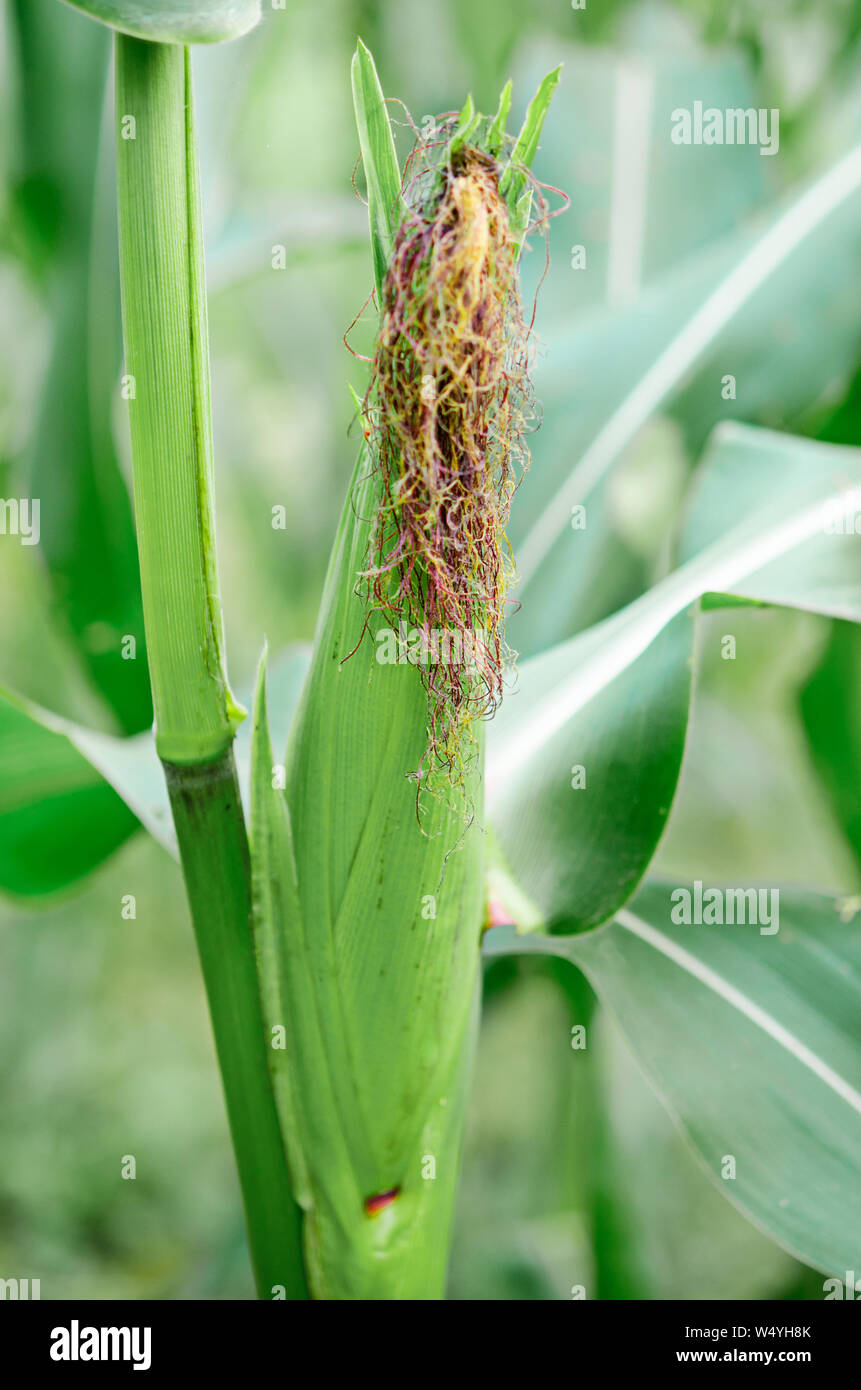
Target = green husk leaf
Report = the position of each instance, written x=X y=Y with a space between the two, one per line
x=174 y=21
x=379 y=160
x=391 y=915
x=496 y=134
x=277 y=929
x=513 y=182
x=467 y=124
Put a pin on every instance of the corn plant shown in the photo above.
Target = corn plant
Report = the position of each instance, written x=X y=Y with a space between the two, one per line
x=434 y=803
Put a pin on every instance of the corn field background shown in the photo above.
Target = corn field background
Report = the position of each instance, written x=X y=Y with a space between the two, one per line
x=573 y=1173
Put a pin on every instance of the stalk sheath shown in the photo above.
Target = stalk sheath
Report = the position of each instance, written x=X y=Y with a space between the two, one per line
x=167 y=359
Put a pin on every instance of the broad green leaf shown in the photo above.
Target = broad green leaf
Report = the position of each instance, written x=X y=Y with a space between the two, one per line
x=780 y=551
x=379 y=160
x=590 y=1149
x=747 y=303
x=748 y=479
x=835 y=194
x=579 y=826
x=750 y=804
x=58 y=817
x=175 y=21
x=91 y=791
x=753 y=1040
x=641 y=205
x=831 y=711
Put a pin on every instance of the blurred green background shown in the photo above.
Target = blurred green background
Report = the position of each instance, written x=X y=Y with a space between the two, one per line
x=573 y=1172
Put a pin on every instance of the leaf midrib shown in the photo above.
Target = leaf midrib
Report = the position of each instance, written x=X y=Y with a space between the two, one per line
x=733 y=996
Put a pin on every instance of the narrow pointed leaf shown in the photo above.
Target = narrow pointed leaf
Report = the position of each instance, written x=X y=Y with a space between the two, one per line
x=512 y=184
x=276 y=927
x=466 y=127
x=497 y=130
x=379 y=161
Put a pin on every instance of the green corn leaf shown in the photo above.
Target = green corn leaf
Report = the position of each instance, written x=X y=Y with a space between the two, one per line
x=59 y=818
x=277 y=922
x=756 y=533
x=606 y=376
x=577 y=828
x=175 y=21
x=512 y=183
x=467 y=123
x=122 y=777
x=467 y=120
x=496 y=133
x=278 y=930
x=831 y=711
x=752 y=1040
x=379 y=160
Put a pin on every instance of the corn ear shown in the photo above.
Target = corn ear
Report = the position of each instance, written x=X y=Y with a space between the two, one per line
x=369 y=896
x=369 y=999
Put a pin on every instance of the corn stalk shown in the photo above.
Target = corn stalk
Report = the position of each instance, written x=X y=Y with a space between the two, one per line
x=166 y=345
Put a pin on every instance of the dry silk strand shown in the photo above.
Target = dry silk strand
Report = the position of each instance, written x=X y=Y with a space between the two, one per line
x=445 y=416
